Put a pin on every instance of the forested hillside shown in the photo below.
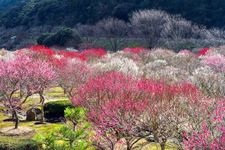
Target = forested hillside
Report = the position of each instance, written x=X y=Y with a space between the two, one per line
x=6 y=4
x=70 y=12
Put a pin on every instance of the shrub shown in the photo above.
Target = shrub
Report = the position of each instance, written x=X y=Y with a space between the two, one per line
x=60 y=38
x=55 y=110
x=69 y=136
x=6 y=144
x=42 y=37
x=75 y=115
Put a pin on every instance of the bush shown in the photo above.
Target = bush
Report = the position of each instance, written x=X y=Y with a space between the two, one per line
x=41 y=38
x=60 y=38
x=6 y=144
x=65 y=138
x=54 y=111
x=69 y=136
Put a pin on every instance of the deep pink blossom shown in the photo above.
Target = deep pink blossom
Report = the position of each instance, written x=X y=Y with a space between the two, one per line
x=135 y=50
x=216 y=62
x=42 y=50
x=71 y=54
x=93 y=53
x=203 y=51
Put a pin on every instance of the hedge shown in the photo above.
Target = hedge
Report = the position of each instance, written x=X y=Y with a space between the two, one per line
x=54 y=111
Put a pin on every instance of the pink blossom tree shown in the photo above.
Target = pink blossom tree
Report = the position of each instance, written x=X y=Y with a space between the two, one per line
x=211 y=133
x=23 y=76
x=216 y=62
x=117 y=119
x=71 y=74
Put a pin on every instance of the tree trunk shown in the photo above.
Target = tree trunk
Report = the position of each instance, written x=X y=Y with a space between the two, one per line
x=74 y=125
x=42 y=108
x=42 y=114
x=163 y=144
x=128 y=144
x=16 y=119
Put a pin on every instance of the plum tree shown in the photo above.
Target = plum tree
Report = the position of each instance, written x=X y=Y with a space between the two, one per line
x=22 y=77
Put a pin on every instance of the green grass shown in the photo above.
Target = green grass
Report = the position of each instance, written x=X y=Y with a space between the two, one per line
x=42 y=128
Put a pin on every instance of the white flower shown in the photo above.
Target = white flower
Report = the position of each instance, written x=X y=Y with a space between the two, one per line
x=7 y=56
x=118 y=63
x=210 y=82
x=57 y=56
x=156 y=64
x=159 y=69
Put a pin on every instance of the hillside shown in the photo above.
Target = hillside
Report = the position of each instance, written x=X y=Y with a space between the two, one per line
x=70 y=12
x=7 y=4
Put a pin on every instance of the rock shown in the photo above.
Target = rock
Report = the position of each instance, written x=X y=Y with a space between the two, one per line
x=33 y=114
x=21 y=115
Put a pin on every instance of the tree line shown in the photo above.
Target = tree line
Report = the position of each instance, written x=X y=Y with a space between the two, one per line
x=70 y=12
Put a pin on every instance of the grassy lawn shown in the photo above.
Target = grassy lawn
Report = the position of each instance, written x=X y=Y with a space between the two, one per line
x=42 y=129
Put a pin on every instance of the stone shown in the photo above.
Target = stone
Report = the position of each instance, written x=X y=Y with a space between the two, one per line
x=33 y=114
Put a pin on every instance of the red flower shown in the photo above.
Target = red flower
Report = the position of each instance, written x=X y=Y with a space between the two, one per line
x=42 y=50
x=135 y=50
x=203 y=51
x=93 y=53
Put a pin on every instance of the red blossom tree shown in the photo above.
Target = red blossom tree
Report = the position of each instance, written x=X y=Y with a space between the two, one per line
x=114 y=105
x=203 y=51
x=42 y=51
x=71 y=55
x=153 y=107
x=93 y=53
x=117 y=119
